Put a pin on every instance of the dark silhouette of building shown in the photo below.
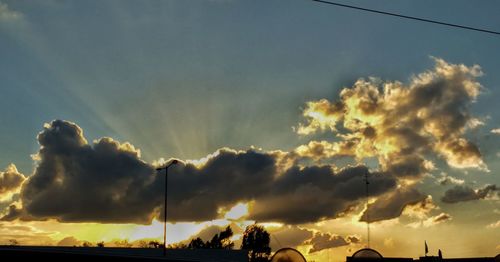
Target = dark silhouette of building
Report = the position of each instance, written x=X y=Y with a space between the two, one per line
x=368 y=254
x=96 y=254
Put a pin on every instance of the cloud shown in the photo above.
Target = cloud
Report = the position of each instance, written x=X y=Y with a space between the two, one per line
x=321 y=241
x=421 y=209
x=400 y=124
x=13 y=212
x=7 y=14
x=289 y=236
x=10 y=181
x=494 y=224
x=311 y=194
x=446 y=180
x=495 y=131
x=69 y=242
x=392 y=204
x=441 y=218
x=465 y=193
x=75 y=181
x=106 y=181
x=24 y=234
x=432 y=221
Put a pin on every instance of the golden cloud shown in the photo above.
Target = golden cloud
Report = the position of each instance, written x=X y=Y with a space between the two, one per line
x=400 y=124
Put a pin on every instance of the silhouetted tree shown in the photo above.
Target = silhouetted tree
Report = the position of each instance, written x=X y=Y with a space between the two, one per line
x=222 y=240
x=86 y=244
x=100 y=244
x=13 y=242
x=177 y=246
x=122 y=243
x=154 y=244
x=256 y=240
x=196 y=243
x=218 y=241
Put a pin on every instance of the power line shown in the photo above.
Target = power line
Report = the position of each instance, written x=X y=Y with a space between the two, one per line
x=408 y=17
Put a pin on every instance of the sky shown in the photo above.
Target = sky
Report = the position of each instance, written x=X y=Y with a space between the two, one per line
x=277 y=111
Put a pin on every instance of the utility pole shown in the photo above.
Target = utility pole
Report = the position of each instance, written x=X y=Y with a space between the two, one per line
x=367 y=210
x=165 y=205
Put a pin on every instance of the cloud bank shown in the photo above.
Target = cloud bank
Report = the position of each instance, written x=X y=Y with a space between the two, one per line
x=106 y=181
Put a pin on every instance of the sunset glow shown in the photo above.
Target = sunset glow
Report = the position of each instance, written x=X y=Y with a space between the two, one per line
x=309 y=121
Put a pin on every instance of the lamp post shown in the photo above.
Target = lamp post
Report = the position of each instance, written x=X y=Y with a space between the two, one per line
x=165 y=204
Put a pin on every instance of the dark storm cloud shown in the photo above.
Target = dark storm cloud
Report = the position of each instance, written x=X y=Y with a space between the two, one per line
x=10 y=180
x=107 y=182
x=75 y=181
x=321 y=241
x=315 y=193
x=465 y=193
x=391 y=205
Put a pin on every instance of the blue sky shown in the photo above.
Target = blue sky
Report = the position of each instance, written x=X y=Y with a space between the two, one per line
x=231 y=73
x=185 y=78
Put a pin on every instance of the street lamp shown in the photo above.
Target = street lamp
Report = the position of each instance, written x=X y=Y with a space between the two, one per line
x=165 y=205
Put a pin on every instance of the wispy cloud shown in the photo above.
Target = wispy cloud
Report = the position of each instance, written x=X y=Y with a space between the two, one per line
x=494 y=225
x=8 y=14
x=110 y=183
x=446 y=179
x=495 y=131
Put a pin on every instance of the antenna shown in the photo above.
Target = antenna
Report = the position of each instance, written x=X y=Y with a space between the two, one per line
x=367 y=209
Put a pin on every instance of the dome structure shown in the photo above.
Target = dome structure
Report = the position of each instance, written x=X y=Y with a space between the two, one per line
x=367 y=253
x=288 y=255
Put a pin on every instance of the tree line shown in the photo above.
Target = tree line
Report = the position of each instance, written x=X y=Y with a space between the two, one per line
x=255 y=239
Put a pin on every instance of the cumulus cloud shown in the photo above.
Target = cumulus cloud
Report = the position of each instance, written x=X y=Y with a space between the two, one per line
x=106 y=181
x=10 y=181
x=465 y=193
x=321 y=241
x=76 y=181
x=400 y=124
x=391 y=205
x=446 y=180
x=8 y=14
